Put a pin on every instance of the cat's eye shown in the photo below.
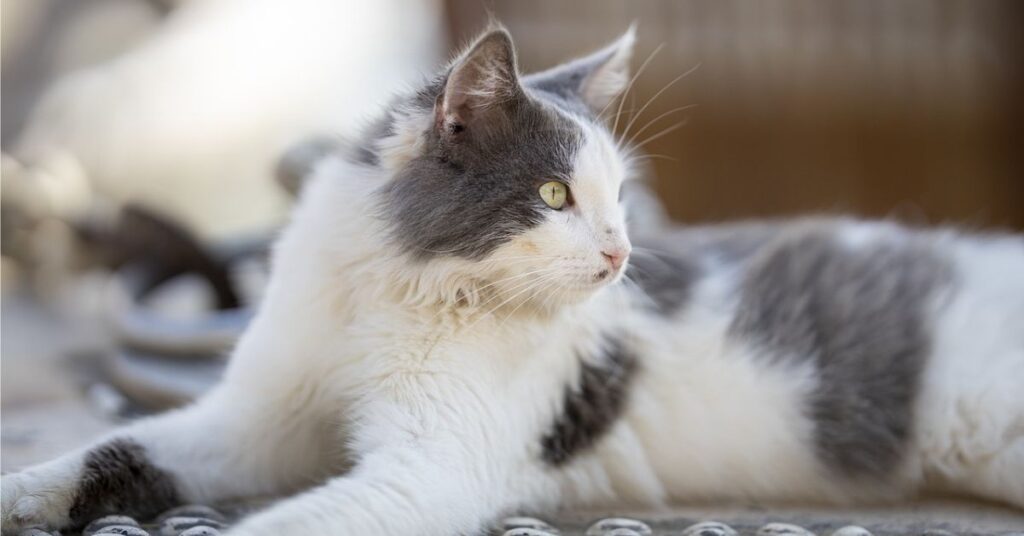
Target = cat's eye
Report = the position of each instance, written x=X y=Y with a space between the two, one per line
x=555 y=194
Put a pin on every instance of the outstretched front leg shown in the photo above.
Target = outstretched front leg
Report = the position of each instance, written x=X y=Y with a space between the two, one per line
x=228 y=445
x=425 y=468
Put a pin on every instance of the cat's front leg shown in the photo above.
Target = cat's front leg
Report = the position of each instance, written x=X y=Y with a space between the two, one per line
x=417 y=489
x=228 y=445
x=433 y=456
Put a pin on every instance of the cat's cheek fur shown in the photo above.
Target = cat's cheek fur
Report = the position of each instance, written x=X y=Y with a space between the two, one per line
x=553 y=263
x=562 y=256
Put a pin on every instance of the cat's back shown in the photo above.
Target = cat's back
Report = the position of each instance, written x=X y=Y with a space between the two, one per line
x=900 y=343
x=783 y=270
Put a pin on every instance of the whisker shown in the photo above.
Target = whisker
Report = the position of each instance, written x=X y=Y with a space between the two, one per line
x=629 y=86
x=529 y=285
x=498 y=282
x=540 y=288
x=637 y=287
x=652 y=155
x=656 y=95
x=544 y=271
x=668 y=130
x=512 y=278
x=655 y=120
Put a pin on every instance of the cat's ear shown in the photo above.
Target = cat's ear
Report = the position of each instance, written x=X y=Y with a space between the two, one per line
x=483 y=78
x=595 y=79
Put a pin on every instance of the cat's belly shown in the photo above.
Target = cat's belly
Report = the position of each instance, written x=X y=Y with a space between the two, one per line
x=709 y=420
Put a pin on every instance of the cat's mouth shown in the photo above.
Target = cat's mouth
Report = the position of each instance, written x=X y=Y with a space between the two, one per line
x=609 y=275
x=600 y=278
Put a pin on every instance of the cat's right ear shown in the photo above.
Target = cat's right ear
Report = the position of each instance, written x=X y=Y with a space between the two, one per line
x=482 y=79
x=595 y=80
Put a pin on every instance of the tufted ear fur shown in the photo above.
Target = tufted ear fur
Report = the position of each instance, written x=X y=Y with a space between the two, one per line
x=482 y=79
x=595 y=79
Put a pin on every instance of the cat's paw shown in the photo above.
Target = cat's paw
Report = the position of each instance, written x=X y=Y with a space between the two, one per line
x=34 y=499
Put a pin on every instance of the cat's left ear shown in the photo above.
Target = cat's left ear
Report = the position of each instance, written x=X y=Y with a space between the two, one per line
x=481 y=81
x=595 y=79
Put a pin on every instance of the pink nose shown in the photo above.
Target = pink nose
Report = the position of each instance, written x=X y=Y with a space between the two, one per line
x=616 y=257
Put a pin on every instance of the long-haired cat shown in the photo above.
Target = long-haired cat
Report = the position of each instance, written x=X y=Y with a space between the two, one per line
x=458 y=327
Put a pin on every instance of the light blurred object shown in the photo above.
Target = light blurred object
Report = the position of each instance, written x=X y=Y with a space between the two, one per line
x=189 y=120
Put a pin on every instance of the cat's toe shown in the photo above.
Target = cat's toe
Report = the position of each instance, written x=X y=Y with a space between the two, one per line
x=28 y=511
x=10 y=492
x=24 y=512
x=28 y=502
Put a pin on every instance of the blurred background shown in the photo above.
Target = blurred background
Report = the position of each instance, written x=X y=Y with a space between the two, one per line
x=141 y=144
x=876 y=108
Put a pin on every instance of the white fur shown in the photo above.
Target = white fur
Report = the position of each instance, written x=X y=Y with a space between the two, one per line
x=972 y=404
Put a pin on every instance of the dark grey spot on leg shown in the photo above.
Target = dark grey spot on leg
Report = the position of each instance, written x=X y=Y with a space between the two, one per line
x=118 y=478
x=591 y=407
x=860 y=317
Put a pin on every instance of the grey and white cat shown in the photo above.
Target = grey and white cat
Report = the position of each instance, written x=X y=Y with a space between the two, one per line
x=456 y=329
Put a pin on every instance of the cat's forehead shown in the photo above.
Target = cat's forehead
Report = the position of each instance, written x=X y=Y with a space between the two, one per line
x=543 y=137
x=593 y=154
x=538 y=138
x=598 y=160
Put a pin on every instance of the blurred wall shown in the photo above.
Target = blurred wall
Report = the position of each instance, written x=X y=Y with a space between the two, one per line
x=907 y=108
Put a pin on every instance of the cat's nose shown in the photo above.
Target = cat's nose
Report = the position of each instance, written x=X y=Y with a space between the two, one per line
x=616 y=256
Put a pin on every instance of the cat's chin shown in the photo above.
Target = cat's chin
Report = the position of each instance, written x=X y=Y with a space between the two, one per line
x=577 y=295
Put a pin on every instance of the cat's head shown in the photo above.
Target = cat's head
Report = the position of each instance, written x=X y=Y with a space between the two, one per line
x=514 y=179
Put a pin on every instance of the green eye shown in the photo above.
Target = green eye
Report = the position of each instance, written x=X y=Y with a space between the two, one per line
x=554 y=194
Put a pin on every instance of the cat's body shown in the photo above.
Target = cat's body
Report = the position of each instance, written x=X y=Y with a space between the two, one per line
x=438 y=348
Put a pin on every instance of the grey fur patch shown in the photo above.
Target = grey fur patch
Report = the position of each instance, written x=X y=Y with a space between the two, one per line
x=664 y=278
x=366 y=151
x=298 y=162
x=469 y=195
x=666 y=267
x=118 y=478
x=860 y=317
x=591 y=407
x=722 y=244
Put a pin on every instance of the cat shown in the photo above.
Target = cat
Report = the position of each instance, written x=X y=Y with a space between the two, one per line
x=457 y=327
